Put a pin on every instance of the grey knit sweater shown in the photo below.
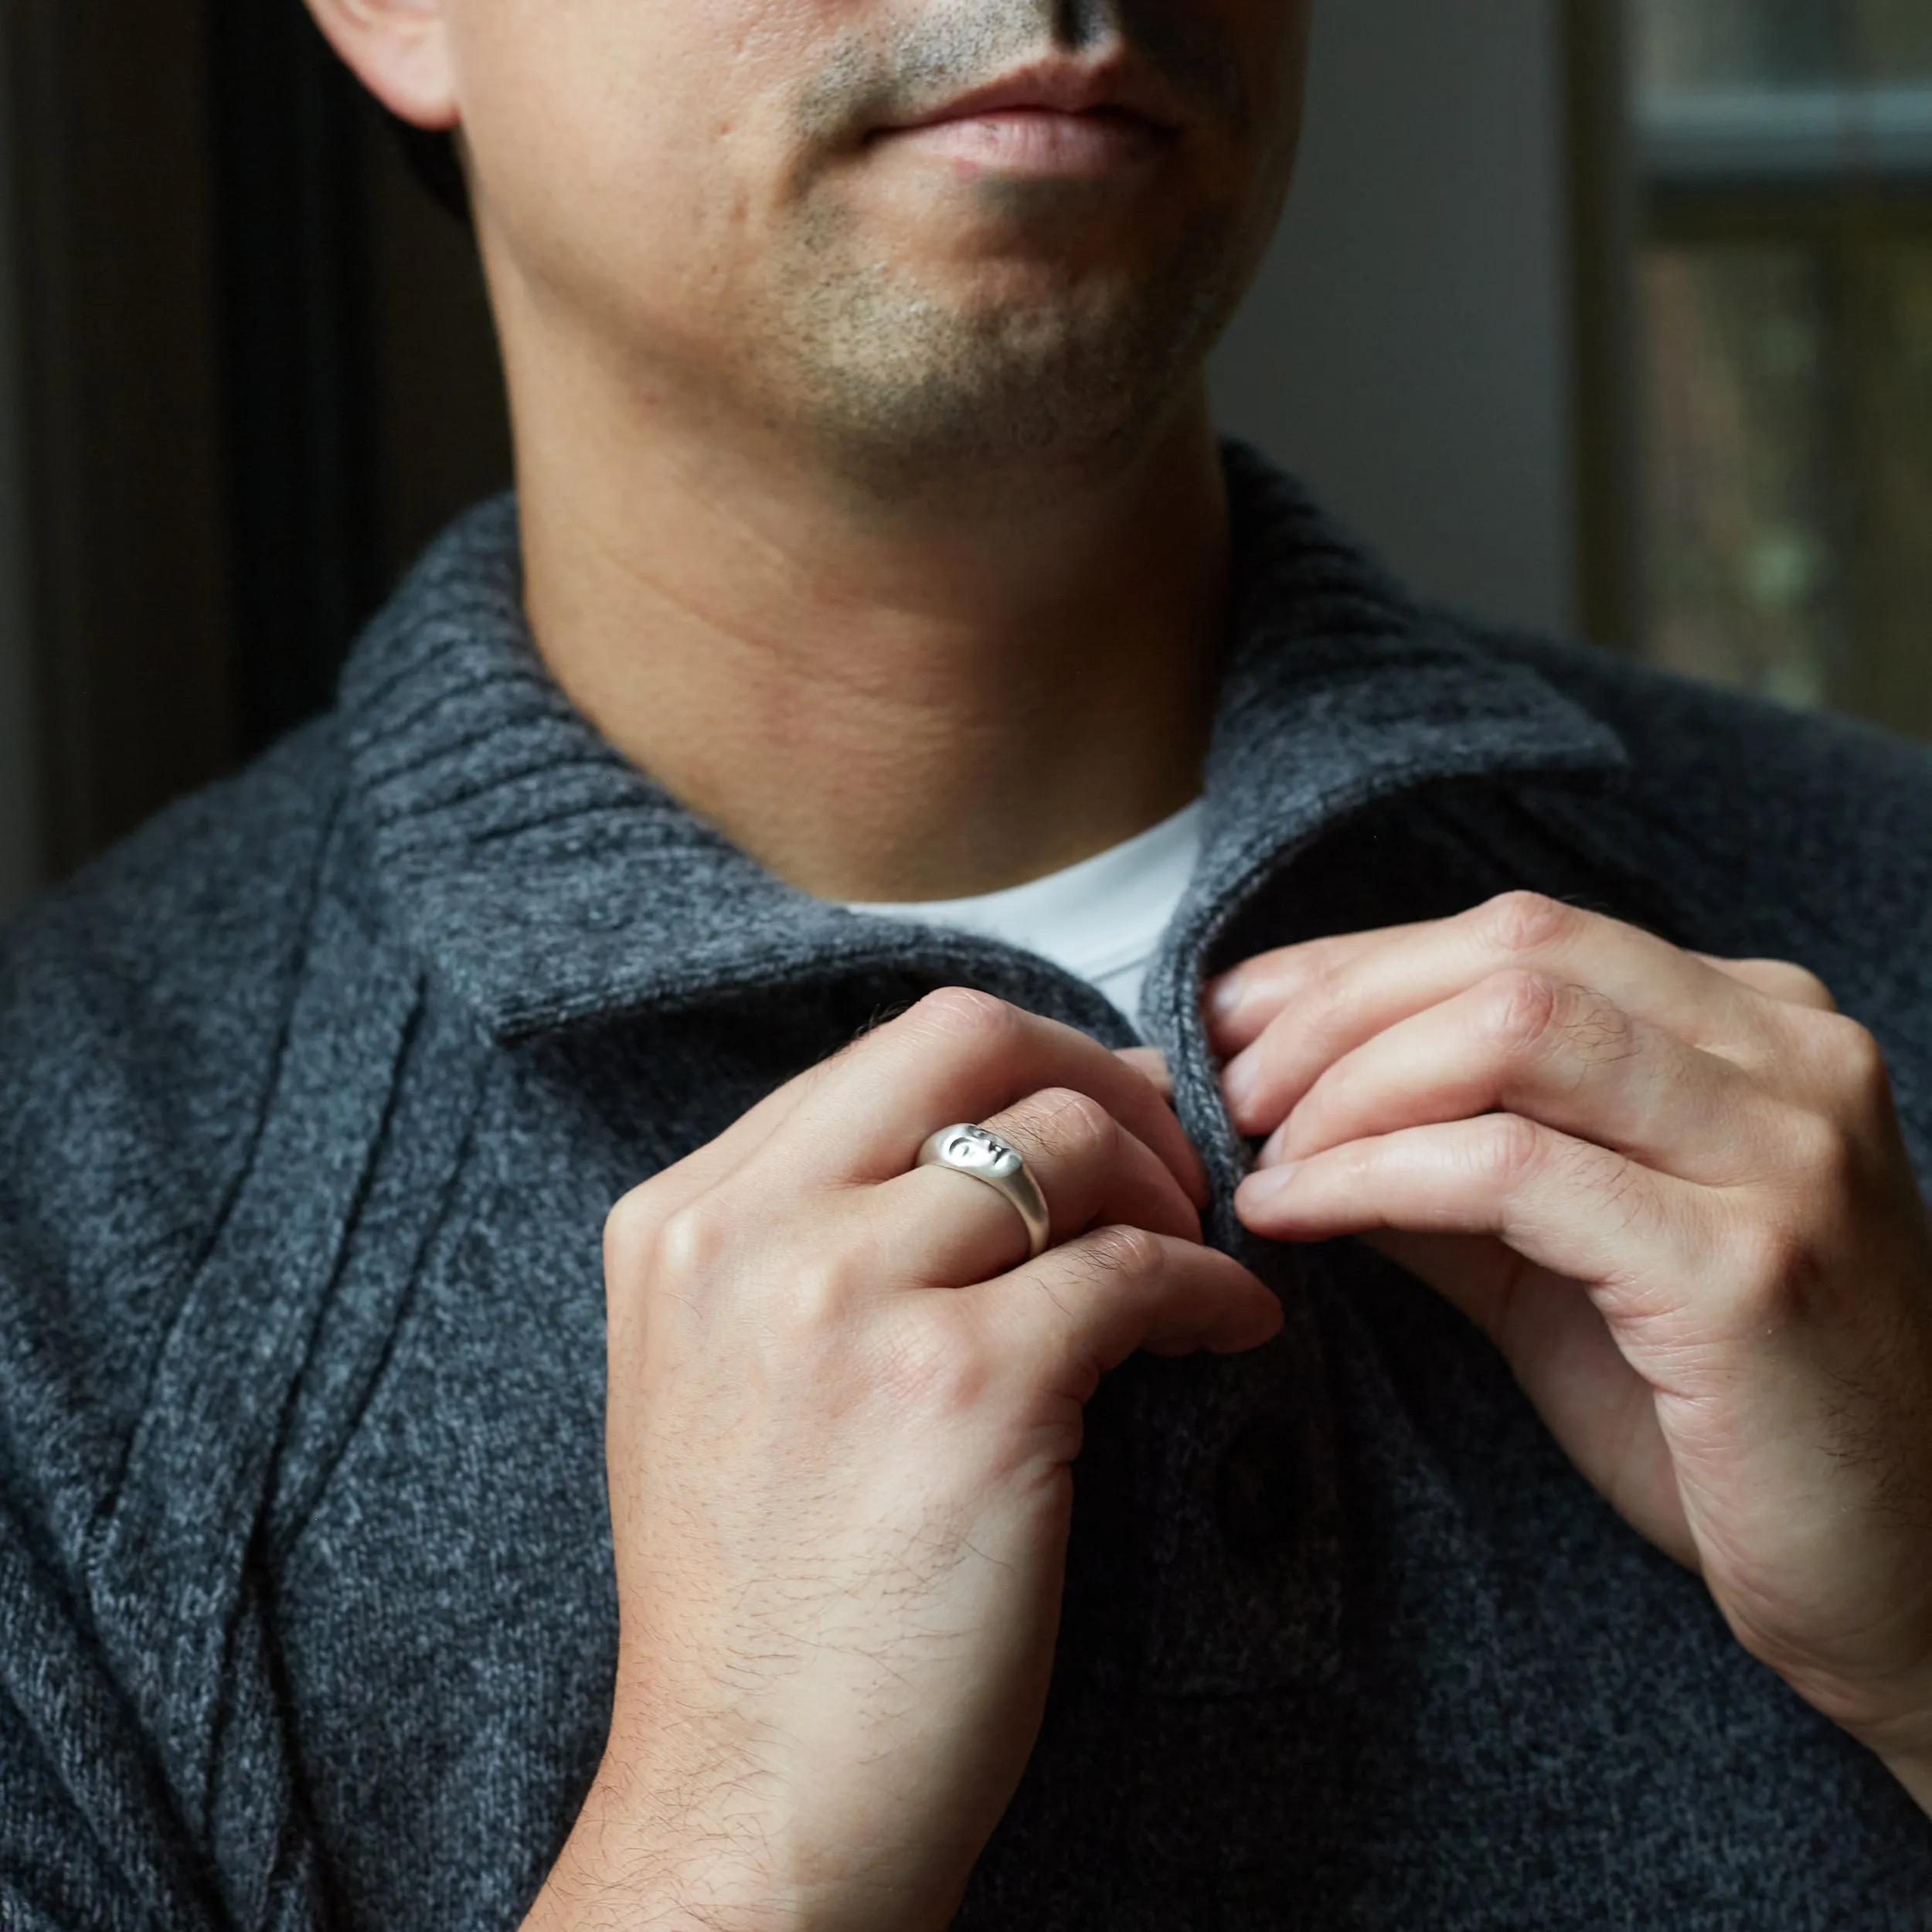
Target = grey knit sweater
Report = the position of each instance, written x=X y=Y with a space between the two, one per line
x=313 y=1098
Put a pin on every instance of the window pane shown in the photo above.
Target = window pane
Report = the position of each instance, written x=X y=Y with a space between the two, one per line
x=1740 y=547
x=1787 y=346
x=1728 y=43
x=1790 y=470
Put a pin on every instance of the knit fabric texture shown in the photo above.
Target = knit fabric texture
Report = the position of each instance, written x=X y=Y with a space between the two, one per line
x=313 y=1097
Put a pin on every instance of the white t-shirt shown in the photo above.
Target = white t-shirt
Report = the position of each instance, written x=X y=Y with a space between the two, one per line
x=1100 y=920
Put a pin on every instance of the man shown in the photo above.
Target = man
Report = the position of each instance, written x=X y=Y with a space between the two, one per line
x=1557 y=1554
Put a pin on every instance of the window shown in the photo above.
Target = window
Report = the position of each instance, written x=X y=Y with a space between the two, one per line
x=1785 y=346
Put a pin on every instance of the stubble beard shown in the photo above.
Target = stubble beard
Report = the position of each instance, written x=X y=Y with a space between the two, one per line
x=911 y=394
x=905 y=394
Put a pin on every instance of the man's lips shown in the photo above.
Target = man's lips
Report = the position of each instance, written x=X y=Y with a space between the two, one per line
x=1056 y=88
x=1059 y=120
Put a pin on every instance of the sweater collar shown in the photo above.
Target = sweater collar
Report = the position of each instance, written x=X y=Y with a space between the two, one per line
x=550 y=882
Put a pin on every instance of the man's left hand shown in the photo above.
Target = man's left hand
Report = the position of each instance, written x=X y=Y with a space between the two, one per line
x=1672 y=1190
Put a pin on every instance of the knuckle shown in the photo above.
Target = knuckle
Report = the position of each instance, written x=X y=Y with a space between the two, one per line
x=979 y=1020
x=629 y=1227
x=634 y=1231
x=1124 y=1252
x=819 y=1294
x=938 y=1368
x=1527 y=922
x=1326 y=1001
x=1775 y=1272
x=658 y=1259
x=1060 y=1121
x=1857 y=1059
x=1327 y=996
x=1818 y=1149
x=687 y=1244
x=1806 y=988
x=1508 y=1150
x=1519 y=1009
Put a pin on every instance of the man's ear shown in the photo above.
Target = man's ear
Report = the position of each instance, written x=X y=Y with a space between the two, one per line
x=400 y=50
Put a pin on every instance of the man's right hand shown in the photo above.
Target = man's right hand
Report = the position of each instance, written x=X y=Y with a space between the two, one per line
x=843 y=1409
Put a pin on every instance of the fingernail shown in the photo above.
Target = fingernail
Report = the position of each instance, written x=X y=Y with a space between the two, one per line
x=1224 y=996
x=1270 y=1154
x=1242 y=1080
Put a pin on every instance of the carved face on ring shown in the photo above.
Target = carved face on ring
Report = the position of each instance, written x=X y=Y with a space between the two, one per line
x=979 y=1152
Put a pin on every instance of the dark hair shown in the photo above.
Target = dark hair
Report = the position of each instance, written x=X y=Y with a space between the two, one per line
x=432 y=156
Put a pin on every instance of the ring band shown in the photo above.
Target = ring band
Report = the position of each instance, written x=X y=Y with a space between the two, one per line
x=970 y=1150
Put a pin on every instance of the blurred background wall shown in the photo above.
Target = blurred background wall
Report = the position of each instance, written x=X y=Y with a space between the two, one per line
x=20 y=833
x=1408 y=347
x=1607 y=316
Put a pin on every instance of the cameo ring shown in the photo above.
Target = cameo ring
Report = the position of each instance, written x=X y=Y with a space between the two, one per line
x=970 y=1150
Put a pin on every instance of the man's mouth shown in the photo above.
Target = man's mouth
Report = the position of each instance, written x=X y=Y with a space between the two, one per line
x=1054 y=119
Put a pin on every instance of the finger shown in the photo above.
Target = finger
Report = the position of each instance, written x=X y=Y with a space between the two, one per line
x=1151 y=1063
x=957 y=1056
x=946 y=1229
x=1083 y=1309
x=726 y=1155
x=1778 y=979
x=1241 y=1002
x=1578 y=1210
x=1381 y=984
x=1561 y=1054
x=715 y=1161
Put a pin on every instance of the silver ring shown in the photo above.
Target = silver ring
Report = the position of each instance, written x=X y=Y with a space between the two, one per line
x=971 y=1149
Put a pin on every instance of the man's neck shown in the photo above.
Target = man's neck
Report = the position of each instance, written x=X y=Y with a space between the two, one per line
x=876 y=706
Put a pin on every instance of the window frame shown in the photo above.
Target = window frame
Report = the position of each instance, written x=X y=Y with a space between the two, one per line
x=1637 y=182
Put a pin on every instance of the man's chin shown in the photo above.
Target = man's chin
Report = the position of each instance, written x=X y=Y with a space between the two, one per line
x=985 y=417
x=923 y=362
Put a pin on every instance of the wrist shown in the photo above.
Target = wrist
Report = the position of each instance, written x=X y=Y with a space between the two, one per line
x=600 y=1890
x=630 y=1861
x=686 y=1828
